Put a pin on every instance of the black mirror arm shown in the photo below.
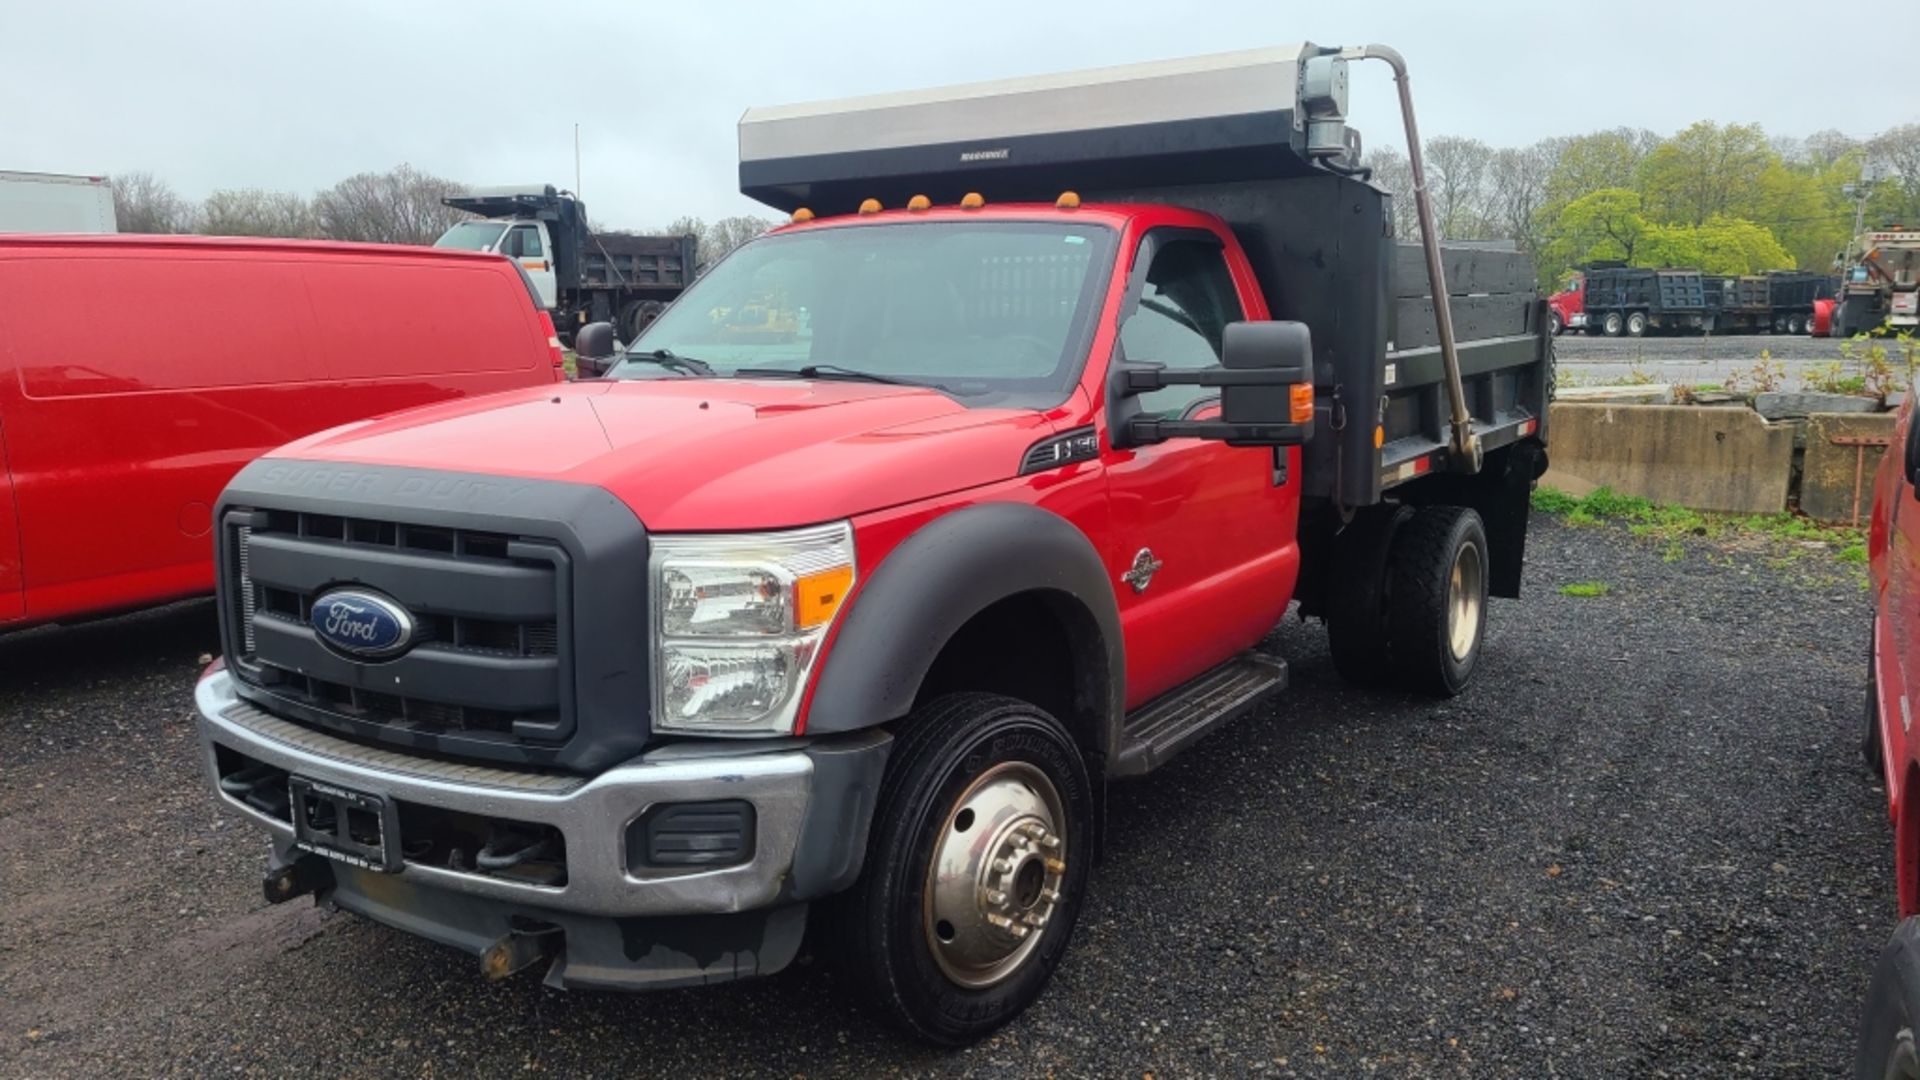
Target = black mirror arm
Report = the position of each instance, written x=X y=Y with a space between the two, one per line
x=1140 y=379
x=1142 y=431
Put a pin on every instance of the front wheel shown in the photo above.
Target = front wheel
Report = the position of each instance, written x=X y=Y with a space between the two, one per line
x=1554 y=323
x=975 y=868
x=1437 y=599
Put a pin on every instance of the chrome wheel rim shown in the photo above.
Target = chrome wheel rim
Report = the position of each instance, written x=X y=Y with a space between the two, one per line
x=995 y=878
x=1465 y=599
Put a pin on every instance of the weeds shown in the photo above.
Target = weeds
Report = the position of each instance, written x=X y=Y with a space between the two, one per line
x=1669 y=525
x=1765 y=376
x=1586 y=589
x=1881 y=365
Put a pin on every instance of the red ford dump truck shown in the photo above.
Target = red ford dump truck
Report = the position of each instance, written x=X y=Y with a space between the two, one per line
x=1071 y=386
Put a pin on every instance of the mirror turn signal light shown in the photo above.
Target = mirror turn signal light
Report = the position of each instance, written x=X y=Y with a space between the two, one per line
x=1300 y=403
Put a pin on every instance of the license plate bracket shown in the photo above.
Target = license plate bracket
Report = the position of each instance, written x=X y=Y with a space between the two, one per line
x=354 y=827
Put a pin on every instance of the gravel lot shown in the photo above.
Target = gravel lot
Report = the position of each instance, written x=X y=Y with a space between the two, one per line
x=1692 y=360
x=1641 y=845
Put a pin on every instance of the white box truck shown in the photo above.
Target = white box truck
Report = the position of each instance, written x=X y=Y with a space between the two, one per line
x=33 y=202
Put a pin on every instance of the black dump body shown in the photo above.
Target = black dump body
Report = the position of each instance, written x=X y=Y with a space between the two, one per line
x=1796 y=290
x=1656 y=292
x=657 y=265
x=1218 y=134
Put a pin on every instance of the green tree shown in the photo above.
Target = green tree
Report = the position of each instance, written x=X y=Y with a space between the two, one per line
x=1588 y=163
x=1605 y=224
x=1705 y=170
x=1737 y=246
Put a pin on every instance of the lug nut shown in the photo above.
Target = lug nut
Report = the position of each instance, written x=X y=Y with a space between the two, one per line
x=996 y=897
x=1001 y=866
x=1050 y=841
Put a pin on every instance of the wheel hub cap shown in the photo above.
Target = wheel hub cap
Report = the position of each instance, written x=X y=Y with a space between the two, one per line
x=1464 y=599
x=996 y=874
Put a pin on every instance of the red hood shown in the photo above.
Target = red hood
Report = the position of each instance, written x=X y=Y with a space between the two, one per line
x=701 y=454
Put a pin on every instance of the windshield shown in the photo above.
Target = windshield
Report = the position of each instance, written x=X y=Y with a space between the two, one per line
x=992 y=312
x=472 y=235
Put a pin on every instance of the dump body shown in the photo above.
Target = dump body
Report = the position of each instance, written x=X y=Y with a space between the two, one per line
x=582 y=276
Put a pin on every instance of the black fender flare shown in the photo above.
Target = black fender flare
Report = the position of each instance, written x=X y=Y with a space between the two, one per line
x=926 y=589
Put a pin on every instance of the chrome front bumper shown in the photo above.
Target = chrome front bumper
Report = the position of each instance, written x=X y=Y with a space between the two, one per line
x=810 y=830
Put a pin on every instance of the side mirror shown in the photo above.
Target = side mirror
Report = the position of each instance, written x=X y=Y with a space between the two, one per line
x=1266 y=390
x=593 y=349
x=1279 y=407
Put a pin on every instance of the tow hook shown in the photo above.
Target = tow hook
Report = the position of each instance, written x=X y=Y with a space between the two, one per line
x=519 y=950
x=306 y=874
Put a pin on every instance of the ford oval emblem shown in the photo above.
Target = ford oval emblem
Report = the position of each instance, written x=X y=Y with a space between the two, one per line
x=362 y=624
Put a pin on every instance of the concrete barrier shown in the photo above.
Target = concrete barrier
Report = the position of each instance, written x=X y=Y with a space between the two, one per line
x=1726 y=459
x=1843 y=450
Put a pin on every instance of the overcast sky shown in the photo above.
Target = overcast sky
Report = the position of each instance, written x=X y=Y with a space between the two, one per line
x=294 y=96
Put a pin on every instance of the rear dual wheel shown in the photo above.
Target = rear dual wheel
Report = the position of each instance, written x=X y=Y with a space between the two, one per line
x=1637 y=324
x=1410 y=599
x=975 y=868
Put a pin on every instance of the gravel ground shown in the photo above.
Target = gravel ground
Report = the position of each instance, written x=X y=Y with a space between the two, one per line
x=1641 y=845
x=1691 y=360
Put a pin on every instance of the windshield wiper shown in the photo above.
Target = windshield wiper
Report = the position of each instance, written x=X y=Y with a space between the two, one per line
x=673 y=361
x=835 y=371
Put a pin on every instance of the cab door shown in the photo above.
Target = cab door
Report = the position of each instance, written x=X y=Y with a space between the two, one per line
x=1203 y=555
x=528 y=244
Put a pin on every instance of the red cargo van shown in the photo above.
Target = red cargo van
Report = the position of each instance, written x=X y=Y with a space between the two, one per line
x=138 y=374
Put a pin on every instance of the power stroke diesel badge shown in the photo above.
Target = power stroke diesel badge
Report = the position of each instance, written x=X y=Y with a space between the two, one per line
x=362 y=624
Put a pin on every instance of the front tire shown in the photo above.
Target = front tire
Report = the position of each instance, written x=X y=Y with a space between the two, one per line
x=948 y=934
x=1437 y=599
x=1886 y=1047
x=1554 y=323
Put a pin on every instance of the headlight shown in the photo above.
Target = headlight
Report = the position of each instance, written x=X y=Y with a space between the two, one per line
x=737 y=623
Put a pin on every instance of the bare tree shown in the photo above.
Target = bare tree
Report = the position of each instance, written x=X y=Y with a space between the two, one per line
x=1895 y=153
x=400 y=206
x=1517 y=190
x=1823 y=148
x=1457 y=182
x=144 y=203
x=1390 y=172
x=254 y=212
x=715 y=240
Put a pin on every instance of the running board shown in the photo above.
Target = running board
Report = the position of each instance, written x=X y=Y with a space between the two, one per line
x=1170 y=723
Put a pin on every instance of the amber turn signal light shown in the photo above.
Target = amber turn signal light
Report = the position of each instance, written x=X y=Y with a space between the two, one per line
x=1300 y=402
